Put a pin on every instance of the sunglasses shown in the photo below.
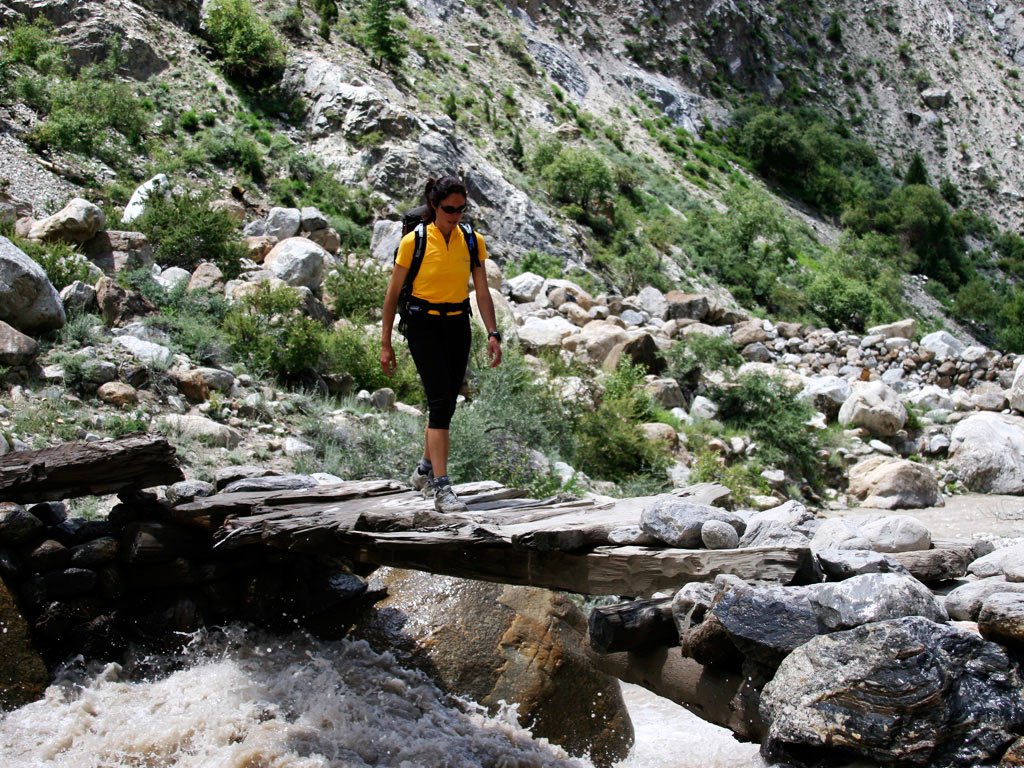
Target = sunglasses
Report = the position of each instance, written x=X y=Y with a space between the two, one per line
x=453 y=209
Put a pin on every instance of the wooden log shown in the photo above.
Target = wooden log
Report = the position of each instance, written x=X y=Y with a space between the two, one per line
x=934 y=565
x=724 y=698
x=479 y=552
x=80 y=469
x=639 y=625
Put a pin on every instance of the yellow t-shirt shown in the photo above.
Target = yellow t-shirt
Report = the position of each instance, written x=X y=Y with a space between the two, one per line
x=444 y=273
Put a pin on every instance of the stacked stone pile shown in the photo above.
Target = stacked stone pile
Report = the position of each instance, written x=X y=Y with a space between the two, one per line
x=146 y=573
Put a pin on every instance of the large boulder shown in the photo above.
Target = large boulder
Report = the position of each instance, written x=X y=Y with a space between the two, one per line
x=598 y=339
x=678 y=522
x=298 y=262
x=767 y=623
x=826 y=393
x=789 y=524
x=1001 y=562
x=965 y=602
x=202 y=429
x=1015 y=394
x=987 y=453
x=891 y=483
x=874 y=597
x=902 y=692
x=76 y=222
x=116 y=251
x=538 y=334
x=875 y=407
x=942 y=345
x=500 y=645
x=16 y=348
x=28 y=301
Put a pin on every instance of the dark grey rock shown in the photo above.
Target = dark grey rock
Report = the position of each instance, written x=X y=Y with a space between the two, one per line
x=678 y=522
x=839 y=564
x=50 y=512
x=874 y=597
x=48 y=556
x=71 y=582
x=907 y=691
x=18 y=525
x=95 y=553
x=227 y=475
x=767 y=623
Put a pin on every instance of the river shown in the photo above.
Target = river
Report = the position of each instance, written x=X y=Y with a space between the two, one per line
x=245 y=699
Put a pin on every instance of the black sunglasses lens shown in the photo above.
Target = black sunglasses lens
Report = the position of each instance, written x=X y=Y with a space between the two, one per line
x=451 y=209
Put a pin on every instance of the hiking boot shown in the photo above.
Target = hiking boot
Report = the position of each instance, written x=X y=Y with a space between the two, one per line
x=445 y=500
x=421 y=482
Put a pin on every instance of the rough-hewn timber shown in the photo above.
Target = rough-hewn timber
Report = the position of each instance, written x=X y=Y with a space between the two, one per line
x=378 y=522
x=80 y=469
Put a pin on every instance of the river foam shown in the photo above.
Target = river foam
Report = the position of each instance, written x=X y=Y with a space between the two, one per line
x=246 y=699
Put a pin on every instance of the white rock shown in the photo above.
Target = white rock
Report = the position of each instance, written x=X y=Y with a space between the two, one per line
x=987 y=453
x=875 y=407
x=298 y=262
x=137 y=202
x=943 y=345
x=146 y=351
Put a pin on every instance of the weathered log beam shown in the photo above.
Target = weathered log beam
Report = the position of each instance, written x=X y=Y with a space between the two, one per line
x=80 y=469
x=639 y=625
x=935 y=565
x=475 y=552
x=724 y=698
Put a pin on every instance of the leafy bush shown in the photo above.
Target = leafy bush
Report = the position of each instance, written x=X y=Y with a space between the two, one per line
x=61 y=263
x=185 y=231
x=579 y=176
x=245 y=43
x=769 y=411
x=609 y=442
x=537 y=262
x=356 y=292
x=698 y=352
x=351 y=350
x=266 y=331
x=921 y=219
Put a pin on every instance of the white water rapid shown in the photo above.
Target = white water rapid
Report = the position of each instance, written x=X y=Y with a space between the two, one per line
x=244 y=699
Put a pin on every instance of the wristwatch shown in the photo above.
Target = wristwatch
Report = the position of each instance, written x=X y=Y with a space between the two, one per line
x=494 y=335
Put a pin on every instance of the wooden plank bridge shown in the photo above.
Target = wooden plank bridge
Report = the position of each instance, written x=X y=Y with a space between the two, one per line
x=503 y=537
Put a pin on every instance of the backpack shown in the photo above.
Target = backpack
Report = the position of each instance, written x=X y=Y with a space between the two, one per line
x=412 y=221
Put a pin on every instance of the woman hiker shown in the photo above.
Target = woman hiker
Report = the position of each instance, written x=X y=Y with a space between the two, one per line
x=437 y=319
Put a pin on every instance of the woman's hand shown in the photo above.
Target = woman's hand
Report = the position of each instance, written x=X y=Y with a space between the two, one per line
x=387 y=359
x=494 y=351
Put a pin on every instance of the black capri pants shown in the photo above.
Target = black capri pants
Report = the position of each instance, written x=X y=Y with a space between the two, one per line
x=439 y=345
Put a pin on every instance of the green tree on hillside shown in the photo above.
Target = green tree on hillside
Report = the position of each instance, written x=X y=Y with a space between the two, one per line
x=920 y=218
x=245 y=42
x=916 y=172
x=382 y=32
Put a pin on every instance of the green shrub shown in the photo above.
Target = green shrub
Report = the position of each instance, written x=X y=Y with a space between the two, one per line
x=356 y=292
x=266 y=331
x=245 y=43
x=351 y=350
x=185 y=231
x=61 y=263
x=539 y=263
x=769 y=411
x=86 y=113
x=696 y=353
x=579 y=176
x=33 y=45
x=609 y=442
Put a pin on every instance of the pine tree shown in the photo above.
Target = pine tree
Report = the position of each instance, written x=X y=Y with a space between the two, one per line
x=381 y=33
x=916 y=171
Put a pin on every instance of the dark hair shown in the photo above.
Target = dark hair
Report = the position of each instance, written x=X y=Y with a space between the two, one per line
x=437 y=190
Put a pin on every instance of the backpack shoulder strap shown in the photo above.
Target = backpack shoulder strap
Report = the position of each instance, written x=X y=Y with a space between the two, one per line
x=419 y=248
x=474 y=248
